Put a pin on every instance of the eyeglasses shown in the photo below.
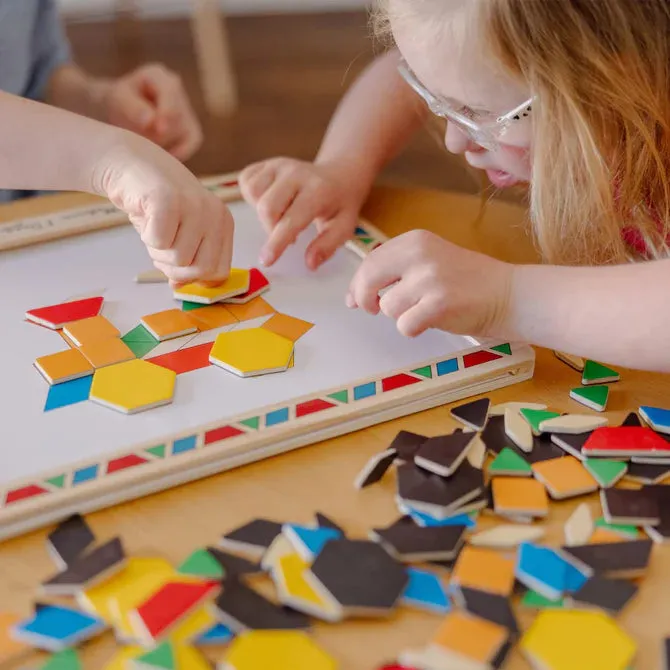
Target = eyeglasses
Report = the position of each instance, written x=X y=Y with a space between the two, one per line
x=484 y=128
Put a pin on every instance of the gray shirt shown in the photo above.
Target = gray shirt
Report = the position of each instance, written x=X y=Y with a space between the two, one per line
x=32 y=46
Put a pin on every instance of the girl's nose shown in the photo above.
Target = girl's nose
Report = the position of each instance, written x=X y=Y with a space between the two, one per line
x=458 y=141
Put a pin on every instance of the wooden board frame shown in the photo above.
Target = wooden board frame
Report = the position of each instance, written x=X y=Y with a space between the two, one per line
x=234 y=441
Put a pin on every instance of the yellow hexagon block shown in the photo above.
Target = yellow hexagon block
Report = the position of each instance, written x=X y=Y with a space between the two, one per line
x=133 y=386
x=577 y=640
x=276 y=649
x=251 y=352
x=236 y=284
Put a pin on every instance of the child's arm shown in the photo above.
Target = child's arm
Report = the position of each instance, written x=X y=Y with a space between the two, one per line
x=376 y=118
x=616 y=314
x=187 y=230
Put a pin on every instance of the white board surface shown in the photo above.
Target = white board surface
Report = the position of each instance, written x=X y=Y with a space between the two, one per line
x=344 y=345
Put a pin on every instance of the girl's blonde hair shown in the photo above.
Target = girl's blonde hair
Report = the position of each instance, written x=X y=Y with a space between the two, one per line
x=601 y=141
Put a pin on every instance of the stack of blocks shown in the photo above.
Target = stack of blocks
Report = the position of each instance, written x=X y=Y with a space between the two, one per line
x=138 y=371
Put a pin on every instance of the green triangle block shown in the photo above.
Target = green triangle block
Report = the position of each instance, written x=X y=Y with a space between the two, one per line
x=58 y=482
x=366 y=240
x=508 y=462
x=157 y=451
x=139 y=334
x=594 y=397
x=141 y=349
x=621 y=528
x=63 y=660
x=604 y=471
x=535 y=417
x=340 y=396
x=201 y=564
x=161 y=657
x=426 y=372
x=595 y=373
x=535 y=601
x=190 y=306
x=252 y=423
x=503 y=349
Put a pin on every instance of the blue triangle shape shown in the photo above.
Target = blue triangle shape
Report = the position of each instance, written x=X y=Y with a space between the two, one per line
x=311 y=540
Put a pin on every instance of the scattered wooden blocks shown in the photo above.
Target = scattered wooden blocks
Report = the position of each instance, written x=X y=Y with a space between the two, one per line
x=499 y=410
x=411 y=543
x=535 y=417
x=595 y=373
x=343 y=570
x=573 y=424
x=506 y=536
x=565 y=477
x=472 y=414
x=571 y=444
x=657 y=418
x=516 y=496
x=56 y=627
x=88 y=569
x=484 y=570
x=201 y=563
x=609 y=595
x=375 y=469
x=575 y=362
x=309 y=542
x=579 y=527
x=253 y=538
x=607 y=473
x=406 y=444
x=593 y=397
x=625 y=441
x=425 y=592
x=596 y=641
x=510 y=464
x=471 y=637
x=489 y=606
x=518 y=430
x=628 y=559
x=630 y=507
x=67 y=659
x=443 y=455
x=276 y=649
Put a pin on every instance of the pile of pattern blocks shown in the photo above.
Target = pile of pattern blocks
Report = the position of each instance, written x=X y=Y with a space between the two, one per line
x=138 y=371
x=467 y=547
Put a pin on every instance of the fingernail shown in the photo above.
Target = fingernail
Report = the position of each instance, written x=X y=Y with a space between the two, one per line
x=350 y=302
x=266 y=258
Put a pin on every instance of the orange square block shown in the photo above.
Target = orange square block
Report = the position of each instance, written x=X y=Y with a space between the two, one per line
x=169 y=324
x=90 y=330
x=288 y=326
x=605 y=536
x=484 y=569
x=64 y=366
x=470 y=636
x=102 y=353
x=524 y=497
x=251 y=310
x=211 y=317
x=565 y=477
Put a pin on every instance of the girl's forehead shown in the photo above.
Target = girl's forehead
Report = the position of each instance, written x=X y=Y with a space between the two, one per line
x=447 y=54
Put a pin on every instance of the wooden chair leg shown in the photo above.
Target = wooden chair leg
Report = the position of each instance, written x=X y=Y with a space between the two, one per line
x=217 y=76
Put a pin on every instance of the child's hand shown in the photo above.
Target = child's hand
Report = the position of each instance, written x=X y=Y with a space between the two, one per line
x=433 y=284
x=187 y=230
x=152 y=102
x=289 y=195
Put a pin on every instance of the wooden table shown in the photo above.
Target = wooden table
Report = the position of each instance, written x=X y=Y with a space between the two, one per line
x=293 y=486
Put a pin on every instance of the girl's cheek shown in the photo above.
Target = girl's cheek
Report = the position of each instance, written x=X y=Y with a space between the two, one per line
x=517 y=159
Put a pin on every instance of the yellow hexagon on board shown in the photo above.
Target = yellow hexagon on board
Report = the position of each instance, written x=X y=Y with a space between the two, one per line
x=577 y=640
x=133 y=386
x=276 y=649
x=251 y=351
x=236 y=284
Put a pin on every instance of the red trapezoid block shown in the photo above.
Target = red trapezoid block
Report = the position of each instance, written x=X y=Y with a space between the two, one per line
x=185 y=360
x=56 y=316
x=23 y=493
x=222 y=433
x=312 y=406
x=124 y=463
x=479 y=358
x=398 y=381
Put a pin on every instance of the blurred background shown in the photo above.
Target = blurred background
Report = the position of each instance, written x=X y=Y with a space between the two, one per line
x=290 y=61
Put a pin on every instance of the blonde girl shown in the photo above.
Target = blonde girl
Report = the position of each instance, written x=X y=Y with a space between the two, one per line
x=571 y=96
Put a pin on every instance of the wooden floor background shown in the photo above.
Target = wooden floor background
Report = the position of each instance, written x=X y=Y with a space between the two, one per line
x=292 y=70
